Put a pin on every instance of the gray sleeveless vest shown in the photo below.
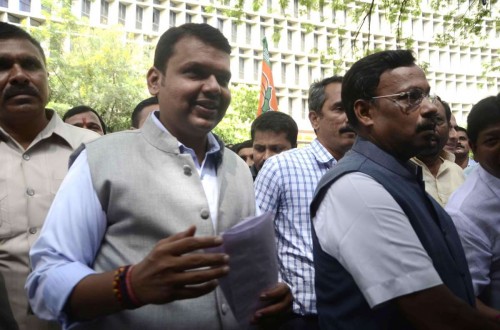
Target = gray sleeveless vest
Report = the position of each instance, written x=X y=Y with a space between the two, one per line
x=150 y=191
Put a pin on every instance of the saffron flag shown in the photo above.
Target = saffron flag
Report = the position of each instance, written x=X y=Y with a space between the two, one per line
x=268 y=100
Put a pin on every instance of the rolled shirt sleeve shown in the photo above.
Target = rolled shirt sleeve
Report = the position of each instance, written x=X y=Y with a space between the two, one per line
x=361 y=225
x=63 y=254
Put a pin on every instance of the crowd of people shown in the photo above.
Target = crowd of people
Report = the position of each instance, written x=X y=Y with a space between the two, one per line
x=383 y=221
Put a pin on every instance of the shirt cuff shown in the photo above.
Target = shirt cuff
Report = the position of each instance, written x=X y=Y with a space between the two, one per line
x=400 y=286
x=60 y=282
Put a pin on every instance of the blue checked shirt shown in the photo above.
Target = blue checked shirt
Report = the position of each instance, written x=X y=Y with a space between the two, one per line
x=286 y=185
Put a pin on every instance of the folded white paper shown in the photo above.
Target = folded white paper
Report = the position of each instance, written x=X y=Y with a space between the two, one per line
x=251 y=247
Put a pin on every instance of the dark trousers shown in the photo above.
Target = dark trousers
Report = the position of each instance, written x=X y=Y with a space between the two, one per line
x=300 y=322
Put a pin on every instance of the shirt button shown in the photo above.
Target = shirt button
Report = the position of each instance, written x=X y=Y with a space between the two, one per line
x=30 y=192
x=26 y=157
x=224 y=309
x=187 y=170
x=204 y=214
x=32 y=230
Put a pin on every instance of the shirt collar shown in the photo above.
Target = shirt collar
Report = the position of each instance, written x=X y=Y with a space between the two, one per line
x=321 y=153
x=381 y=157
x=492 y=181
x=55 y=126
x=214 y=148
x=447 y=155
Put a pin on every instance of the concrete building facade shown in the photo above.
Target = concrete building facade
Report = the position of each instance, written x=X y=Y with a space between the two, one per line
x=307 y=44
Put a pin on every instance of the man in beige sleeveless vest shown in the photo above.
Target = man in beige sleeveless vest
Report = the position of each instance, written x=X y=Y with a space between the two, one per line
x=35 y=146
x=119 y=250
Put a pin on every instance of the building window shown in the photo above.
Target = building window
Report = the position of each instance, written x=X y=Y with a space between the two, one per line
x=13 y=19
x=139 y=11
x=248 y=33
x=172 y=18
x=156 y=19
x=283 y=72
x=25 y=5
x=104 y=11
x=234 y=32
x=242 y=68
x=256 y=66
x=297 y=70
x=4 y=3
x=122 y=13
x=316 y=41
x=85 y=8
x=220 y=24
x=289 y=39
x=189 y=18
x=302 y=41
x=262 y=32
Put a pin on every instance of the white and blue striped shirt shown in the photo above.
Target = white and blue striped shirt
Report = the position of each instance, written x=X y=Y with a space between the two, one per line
x=286 y=185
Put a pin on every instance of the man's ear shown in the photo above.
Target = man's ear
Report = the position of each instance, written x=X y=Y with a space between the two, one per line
x=314 y=119
x=363 y=109
x=153 y=79
x=473 y=147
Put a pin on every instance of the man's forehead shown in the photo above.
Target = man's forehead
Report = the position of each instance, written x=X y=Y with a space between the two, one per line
x=19 y=47
x=404 y=77
x=87 y=116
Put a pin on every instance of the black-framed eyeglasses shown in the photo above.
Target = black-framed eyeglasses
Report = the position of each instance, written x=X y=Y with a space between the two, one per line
x=412 y=98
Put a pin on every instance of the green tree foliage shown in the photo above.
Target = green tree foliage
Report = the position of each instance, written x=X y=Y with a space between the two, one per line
x=463 y=20
x=90 y=66
x=235 y=127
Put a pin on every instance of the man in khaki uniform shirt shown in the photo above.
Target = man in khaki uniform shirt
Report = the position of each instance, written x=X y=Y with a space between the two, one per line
x=440 y=173
x=35 y=146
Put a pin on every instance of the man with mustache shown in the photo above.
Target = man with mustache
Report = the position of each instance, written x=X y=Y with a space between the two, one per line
x=285 y=185
x=441 y=175
x=462 y=149
x=35 y=146
x=386 y=255
x=123 y=243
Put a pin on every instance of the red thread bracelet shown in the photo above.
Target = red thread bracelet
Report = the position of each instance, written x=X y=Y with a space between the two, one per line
x=130 y=290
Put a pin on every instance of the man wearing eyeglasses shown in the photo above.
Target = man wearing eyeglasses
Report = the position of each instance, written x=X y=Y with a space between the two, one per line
x=386 y=255
x=441 y=175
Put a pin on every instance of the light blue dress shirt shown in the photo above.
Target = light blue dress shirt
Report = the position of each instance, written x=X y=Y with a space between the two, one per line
x=285 y=185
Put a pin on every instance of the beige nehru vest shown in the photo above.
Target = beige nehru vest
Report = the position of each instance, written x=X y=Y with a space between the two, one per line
x=150 y=191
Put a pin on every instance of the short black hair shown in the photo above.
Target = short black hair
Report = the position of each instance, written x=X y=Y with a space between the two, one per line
x=277 y=122
x=139 y=107
x=317 y=92
x=206 y=33
x=9 y=31
x=82 y=109
x=242 y=145
x=447 y=109
x=482 y=115
x=363 y=78
x=460 y=129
